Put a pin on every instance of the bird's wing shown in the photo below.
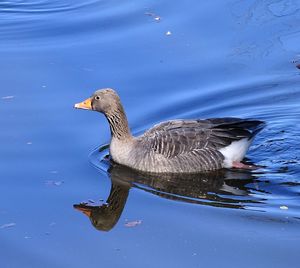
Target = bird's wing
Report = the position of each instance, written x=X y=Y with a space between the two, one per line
x=178 y=137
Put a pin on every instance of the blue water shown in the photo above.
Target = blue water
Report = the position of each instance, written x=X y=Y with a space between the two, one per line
x=166 y=60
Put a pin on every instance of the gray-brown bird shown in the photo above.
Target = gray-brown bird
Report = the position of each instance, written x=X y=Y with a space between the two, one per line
x=175 y=146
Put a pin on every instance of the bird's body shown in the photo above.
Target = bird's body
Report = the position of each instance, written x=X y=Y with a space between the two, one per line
x=176 y=146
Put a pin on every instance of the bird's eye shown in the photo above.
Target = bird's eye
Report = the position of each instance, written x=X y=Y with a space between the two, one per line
x=97 y=98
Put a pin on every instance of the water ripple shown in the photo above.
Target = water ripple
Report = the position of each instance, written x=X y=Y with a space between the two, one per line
x=43 y=23
x=42 y=6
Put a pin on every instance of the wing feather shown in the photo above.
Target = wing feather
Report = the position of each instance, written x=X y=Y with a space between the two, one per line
x=181 y=137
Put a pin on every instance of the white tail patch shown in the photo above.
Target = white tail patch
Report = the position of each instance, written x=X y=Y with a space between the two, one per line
x=235 y=151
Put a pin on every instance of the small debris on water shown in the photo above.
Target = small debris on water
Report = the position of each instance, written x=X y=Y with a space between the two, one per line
x=7 y=225
x=168 y=33
x=29 y=143
x=7 y=97
x=43 y=86
x=298 y=66
x=27 y=237
x=154 y=16
x=133 y=223
x=284 y=207
x=54 y=183
x=53 y=171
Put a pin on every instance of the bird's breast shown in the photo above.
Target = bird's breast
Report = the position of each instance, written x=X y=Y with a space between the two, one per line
x=120 y=151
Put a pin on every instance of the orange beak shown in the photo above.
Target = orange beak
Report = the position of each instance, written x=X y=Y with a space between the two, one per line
x=85 y=210
x=86 y=104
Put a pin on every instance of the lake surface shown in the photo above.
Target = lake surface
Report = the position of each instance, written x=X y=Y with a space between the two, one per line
x=167 y=60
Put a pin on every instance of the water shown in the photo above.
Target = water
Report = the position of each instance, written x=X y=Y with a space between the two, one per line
x=221 y=58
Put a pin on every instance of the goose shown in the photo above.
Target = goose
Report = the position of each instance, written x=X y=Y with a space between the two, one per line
x=174 y=146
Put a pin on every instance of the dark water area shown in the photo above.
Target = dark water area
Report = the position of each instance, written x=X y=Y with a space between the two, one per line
x=167 y=60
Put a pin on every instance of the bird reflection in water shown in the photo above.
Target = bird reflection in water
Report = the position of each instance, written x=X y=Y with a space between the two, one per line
x=222 y=188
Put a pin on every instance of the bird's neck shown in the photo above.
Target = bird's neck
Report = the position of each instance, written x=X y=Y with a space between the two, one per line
x=118 y=123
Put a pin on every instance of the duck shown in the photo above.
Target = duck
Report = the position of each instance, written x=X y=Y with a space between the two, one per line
x=174 y=146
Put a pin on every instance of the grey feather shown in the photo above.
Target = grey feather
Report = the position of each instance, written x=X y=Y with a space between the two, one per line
x=178 y=137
